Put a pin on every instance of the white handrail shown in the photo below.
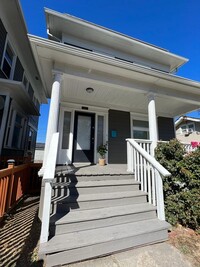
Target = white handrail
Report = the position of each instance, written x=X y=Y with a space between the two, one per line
x=49 y=174
x=148 y=171
x=149 y=158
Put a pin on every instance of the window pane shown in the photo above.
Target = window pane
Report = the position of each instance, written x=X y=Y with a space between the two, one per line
x=100 y=130
x=9 y=54
x=6 y=68
x=138 y=123
x=137 y=134
x=15 y=141
x=66 y=130
x=140 y=129
x=84 y=133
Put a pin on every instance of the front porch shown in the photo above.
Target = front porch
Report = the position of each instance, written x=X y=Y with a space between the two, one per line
x=87 y=169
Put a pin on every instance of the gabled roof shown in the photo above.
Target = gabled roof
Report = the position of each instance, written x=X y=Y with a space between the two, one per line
x=58 y=23
x=185 y=119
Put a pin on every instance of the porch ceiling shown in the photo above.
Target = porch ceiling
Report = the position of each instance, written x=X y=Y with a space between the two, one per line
x=74 y=90
x=116 y=84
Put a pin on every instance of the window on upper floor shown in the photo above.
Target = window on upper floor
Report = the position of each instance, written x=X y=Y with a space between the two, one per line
x=140 y=129
x=8 y=61
x=187 y=128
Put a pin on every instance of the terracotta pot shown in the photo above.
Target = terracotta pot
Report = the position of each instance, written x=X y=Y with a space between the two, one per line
x=102 y=162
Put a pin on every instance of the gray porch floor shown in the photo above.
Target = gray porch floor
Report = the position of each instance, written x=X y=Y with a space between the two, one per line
x=88 y=169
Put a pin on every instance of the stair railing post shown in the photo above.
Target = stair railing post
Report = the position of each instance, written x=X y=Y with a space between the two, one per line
x=48 y=177
x=160 y=197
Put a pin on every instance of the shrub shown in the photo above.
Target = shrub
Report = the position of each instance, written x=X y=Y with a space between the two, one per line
x=182 y=188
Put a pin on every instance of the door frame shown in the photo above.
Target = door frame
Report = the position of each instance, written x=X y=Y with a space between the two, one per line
x=65 y=155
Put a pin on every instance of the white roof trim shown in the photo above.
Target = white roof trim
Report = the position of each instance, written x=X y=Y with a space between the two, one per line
x=185 y=118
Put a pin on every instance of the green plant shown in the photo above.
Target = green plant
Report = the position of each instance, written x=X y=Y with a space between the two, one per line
x=181 y=189
x=102 y=150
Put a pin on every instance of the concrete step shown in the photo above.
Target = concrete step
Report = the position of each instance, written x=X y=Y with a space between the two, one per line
x=88 y=187
x=95 y=218
x=101 y=200
x=72 y=247
x=76 y=178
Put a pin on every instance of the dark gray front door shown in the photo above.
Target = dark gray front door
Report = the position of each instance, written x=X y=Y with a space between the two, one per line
x=83 y=147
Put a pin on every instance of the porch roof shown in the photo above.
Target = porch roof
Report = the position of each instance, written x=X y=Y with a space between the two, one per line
x=117 y=84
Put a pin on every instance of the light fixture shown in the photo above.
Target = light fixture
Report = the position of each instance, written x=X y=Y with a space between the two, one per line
x=89 y=90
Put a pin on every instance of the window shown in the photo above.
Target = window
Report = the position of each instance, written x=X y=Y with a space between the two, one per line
x=66 y=130
x=31 y=139
x=100 y=130
x=8 y=60
x=187 y=128
x=140 y=129
x=17 y=134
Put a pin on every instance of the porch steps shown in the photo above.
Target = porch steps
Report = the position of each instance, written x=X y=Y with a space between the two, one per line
x=88 y=187
x=98 y=215
x=96 y=218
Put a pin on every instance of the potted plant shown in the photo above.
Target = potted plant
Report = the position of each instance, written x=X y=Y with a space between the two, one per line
x=102 y=150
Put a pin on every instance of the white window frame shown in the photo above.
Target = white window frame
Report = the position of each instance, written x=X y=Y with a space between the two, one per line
x=139 y=117
x=10 y=129
x=66 y=154
x=7 y=42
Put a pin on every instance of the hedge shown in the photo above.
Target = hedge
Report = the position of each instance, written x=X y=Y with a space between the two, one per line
x=182 y=188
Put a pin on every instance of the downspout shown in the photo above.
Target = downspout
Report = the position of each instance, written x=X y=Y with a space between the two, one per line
x=48 y=32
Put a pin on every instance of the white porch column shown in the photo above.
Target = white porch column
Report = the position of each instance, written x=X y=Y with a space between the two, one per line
x=153 y=129
x=52 y=125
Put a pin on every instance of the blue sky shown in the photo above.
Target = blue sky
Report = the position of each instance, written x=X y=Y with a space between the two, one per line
x=174 y=25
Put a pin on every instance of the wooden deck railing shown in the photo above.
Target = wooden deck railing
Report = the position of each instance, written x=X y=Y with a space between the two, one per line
x=17 y=181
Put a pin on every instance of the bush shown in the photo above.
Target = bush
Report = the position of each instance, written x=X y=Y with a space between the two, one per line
x=182 y=188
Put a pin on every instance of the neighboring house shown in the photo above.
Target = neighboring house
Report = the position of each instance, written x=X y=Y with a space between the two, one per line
x=106 y=86
x=39 y=152
x=21 y=90
x=188 y=129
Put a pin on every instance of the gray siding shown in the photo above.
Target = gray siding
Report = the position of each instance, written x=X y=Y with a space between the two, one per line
x=197 y=126
x=119 y=121
x=166 y=130
x=18 y=74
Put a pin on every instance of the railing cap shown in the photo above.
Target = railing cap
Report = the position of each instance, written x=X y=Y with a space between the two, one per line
x=11 y=161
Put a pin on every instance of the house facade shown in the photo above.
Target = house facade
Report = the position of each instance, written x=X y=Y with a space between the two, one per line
x=105 y=87
x=21 y=90
x=188 y=130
